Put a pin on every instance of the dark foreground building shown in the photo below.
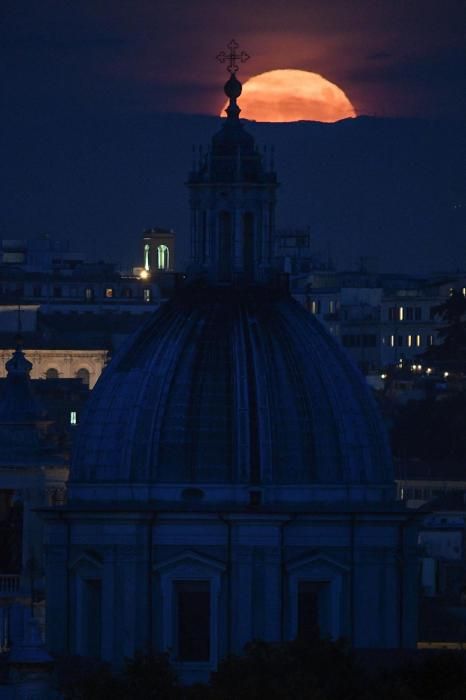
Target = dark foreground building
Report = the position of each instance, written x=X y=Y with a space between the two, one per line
x=231 y=478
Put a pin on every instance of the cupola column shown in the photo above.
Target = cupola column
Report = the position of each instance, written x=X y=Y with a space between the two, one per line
x=232 y=192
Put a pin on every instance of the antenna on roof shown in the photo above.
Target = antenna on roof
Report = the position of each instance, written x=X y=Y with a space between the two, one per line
x=19 y=340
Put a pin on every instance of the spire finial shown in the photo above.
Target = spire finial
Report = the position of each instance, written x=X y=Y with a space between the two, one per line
x=233 y=57
x=233 y=86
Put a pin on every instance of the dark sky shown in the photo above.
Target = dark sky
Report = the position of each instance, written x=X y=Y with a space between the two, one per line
x=392 y=57
x=85 y=83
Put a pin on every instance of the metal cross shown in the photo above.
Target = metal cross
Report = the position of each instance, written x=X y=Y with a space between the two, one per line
x=233 y=57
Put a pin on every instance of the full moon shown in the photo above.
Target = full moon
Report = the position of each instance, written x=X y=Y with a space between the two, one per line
x=290 y=95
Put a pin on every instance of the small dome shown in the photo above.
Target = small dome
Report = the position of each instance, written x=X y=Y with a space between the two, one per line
x=233 y=87
x=227 y=386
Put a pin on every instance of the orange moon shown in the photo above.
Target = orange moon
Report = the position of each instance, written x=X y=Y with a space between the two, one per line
x=290 y=95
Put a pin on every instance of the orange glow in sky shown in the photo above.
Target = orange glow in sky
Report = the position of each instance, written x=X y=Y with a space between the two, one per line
x=290 y=95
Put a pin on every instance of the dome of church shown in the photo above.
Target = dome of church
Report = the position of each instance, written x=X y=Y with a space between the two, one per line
x=232 y=386
x=231 y=413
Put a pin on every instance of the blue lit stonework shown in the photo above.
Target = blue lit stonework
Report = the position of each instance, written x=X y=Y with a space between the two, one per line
x=232 y=478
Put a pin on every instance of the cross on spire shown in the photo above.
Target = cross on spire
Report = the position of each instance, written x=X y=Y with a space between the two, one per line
x=233 y=57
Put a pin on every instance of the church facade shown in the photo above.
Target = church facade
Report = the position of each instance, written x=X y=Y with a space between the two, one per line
x=232 y=479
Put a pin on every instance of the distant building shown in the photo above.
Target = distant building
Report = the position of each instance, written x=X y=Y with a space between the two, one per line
x=442 y=548
x=39 y=254
x=49 y=274
x=72 y=314
x=420 y=482
x=381 y=319
x=34 y=461
x=159 y=250
x=293 y=251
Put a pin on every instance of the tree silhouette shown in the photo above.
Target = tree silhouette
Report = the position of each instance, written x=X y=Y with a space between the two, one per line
x=450 y=354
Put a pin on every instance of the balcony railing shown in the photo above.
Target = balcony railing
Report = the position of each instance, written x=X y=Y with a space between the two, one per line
x=9 y=584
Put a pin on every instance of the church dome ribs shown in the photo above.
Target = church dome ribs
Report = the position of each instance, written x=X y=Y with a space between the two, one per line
x=230 y=386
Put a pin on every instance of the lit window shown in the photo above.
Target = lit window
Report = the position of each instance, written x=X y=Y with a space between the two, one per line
x=401 y=313
x=392 y=341
x=430 y=340
x=331 y=307
x=147 y=295
x=109 y=292
x=146 y=257
x=410 y=341
x=73 y=418
x=418 y=341
x=315 y=307
x=162 y=257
